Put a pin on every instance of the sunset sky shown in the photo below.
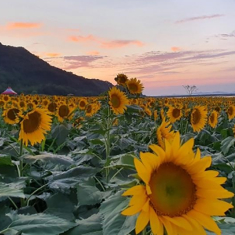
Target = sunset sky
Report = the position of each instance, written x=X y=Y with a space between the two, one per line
x=165 y=44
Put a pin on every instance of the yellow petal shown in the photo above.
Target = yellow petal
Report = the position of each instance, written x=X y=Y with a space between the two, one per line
x=142 y=171
x=180 y=222
x=136 y=190
x=138 y=199
x=197 y=228
x=141 y=221
x=170 y=228
x=186 y=148
x=157 y=150
x=213 y=194
x=149 y=160
x=212 y=207
x=205 y=220
x=200 y=165
x=156 y=225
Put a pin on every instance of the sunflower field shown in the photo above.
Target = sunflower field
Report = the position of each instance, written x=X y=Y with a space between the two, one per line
x=117 y=164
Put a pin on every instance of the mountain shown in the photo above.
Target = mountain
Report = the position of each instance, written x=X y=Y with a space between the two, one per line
x=28 y=74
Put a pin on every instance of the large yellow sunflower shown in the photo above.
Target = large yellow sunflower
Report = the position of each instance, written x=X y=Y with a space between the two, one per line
x=198 y=117
x=174 y=113
x=134 y=86
x=178 y=193
x=213 y=119
x=117 y=100
x=164 y=132
x=34 y=126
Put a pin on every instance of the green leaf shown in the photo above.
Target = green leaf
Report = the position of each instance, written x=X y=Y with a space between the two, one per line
x=126 y=160
x=38 y=224
x=56 y=159
x=89 y=194
x=12 y=189
x=114 y=223
x=60 y=133
x=89 y=226
x=63 y=210
x=227 y=143
x=70 y=178
x=5 y=160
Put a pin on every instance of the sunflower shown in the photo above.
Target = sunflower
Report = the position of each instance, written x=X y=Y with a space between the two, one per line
x=174 y=114
x=64 y=112
x=82 y=103
x=198 y=117
x=117 y=100
x=121 y=79
x=164 y=132
x=34 y=126
x=178 y=193
x=52 y=107
x=213 y=119
x=11 y=115
x=90 y=110
x=134 y=86
x=231 y=112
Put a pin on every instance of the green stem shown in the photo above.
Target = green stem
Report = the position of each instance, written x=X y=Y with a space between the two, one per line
x=35 y=192
x=13 y=204
x=144 y=232
x=101 y=185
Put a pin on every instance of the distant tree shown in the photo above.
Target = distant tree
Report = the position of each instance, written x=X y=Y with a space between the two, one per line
x=190 y=89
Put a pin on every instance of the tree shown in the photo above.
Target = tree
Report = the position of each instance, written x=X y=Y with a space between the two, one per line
x=190 y=89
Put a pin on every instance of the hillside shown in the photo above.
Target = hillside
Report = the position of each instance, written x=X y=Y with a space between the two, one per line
x=28 y=74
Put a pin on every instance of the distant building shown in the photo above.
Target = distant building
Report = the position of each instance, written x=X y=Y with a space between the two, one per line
x=9 y=91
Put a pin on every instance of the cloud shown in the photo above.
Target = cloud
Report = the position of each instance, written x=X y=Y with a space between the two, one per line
x=22 y=25
x=175 y=49
x=226 y=35
x=75 y=62
x=82 y=38
x=105 y=43
x=121 y=43
x=93 y=53
x=199 y=18
x=53 y=54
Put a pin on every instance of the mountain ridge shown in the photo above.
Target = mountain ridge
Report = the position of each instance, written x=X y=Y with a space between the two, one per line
x=26 y=73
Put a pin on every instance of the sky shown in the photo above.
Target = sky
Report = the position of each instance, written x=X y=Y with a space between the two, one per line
x=165 y=44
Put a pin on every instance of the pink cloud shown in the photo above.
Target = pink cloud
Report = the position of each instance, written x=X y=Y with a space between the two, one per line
x=121 y=43
x=105 y=43
x=22 y=25
x=49 y=54
x=198 y=18
x=82 y=38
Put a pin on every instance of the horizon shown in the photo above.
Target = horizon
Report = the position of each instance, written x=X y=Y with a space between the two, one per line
x=159 y=43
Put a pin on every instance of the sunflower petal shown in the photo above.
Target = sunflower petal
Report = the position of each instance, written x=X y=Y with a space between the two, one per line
x=156 y=225
x=142 y=171
x=136 y=190
x=142 y=221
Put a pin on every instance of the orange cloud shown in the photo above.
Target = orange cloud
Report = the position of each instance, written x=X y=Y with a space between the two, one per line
x=175 y=49
x=82 y=38
x=93 y=53
x=121 y=43
x=104 y=43
x=53 y=54
x=22 y=25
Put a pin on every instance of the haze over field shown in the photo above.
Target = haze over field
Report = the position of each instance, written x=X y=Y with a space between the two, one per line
x=165 y=44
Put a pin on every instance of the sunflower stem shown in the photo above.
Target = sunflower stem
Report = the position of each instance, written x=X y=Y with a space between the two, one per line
x=144 y=232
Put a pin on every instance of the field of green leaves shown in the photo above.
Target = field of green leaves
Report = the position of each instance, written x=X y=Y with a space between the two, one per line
x=117 y=164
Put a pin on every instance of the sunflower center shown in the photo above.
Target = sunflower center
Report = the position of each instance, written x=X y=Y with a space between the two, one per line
x=173 y=191
x=115 y=100
x=32 y=123
x=196 y=116
x=133 y=87
x=212 y=118
x=230 y=110
x=52 y=107
x=63 y=111
x=82 y=104
x=176 y=113
x=12 y=114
